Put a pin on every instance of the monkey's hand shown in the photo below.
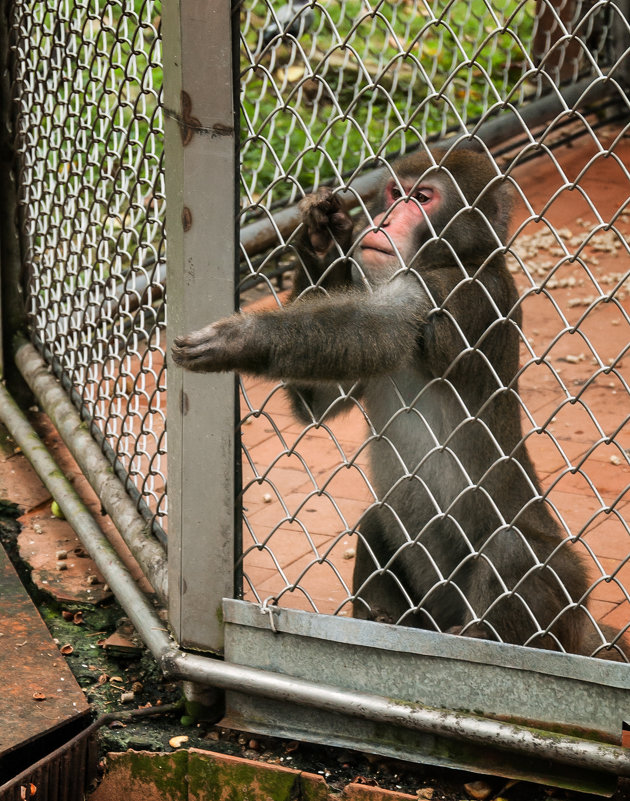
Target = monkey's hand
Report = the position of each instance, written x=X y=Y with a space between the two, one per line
x=219 y=347
x=325 y=218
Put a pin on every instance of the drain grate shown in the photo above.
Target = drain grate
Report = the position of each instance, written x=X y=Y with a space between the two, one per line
x=62 y=775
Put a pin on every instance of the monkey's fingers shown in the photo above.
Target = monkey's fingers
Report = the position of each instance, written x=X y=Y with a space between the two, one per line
x=322 y=213
x=340 y=222
x=320 y=241
x=318 y=202
x=200 y=351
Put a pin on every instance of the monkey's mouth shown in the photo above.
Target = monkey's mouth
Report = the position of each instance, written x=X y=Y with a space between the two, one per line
x=375 y=249
x=375 y=244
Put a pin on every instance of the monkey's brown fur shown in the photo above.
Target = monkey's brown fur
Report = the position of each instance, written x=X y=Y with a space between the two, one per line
x=460 y=539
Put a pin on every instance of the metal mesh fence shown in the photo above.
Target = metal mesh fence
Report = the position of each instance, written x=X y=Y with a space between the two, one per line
x=87 y=85
x=332 y=90
x=330 y=85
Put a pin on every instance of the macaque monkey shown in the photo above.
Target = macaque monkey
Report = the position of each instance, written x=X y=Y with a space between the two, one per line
x=415 y=315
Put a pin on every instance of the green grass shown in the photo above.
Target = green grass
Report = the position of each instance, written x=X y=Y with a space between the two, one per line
x=371 y=80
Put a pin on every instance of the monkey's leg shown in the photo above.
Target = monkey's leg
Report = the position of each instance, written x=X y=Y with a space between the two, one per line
x=619 y=652
x=379 y=597
x=523 y=600
x=382 y=595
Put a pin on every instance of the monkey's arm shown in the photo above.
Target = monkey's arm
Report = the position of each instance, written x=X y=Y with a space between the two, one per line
x=476 y=316
x=325 y=237
x=344 y=337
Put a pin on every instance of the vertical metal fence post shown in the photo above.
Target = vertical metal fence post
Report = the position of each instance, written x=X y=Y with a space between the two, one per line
x=201 y=192
x=13 y=310
x=621 y=42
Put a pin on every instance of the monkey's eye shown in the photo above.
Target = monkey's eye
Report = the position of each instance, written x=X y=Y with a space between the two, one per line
x=422 y=195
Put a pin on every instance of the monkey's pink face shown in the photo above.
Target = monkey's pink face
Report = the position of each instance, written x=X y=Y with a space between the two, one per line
x=397 y=231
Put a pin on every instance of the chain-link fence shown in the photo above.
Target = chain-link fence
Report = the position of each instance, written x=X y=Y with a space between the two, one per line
x=329 y=93
x=326 y=87
x=89 y=134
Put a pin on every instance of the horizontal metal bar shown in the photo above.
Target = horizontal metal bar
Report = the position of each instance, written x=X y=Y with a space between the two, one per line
x=463 y=727
x=132 y=527
x=263 y=234
x=209 y=671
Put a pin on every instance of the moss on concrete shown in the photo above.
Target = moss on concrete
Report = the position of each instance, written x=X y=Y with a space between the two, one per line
x=213 y=778
x=144 y=776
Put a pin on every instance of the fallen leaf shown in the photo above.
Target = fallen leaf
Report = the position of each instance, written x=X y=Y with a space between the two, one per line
x=56 y=510
x=66 y=649
x=364 y=780
x=478 y=790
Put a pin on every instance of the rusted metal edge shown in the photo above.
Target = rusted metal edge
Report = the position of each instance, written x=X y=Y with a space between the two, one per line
x=82 y=773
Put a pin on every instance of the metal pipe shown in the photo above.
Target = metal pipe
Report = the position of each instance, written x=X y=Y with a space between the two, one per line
x=132 y=527
x=87 y=529
x=467 y=728
x=263 y=234
x=99 y=437
x=209 y=671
